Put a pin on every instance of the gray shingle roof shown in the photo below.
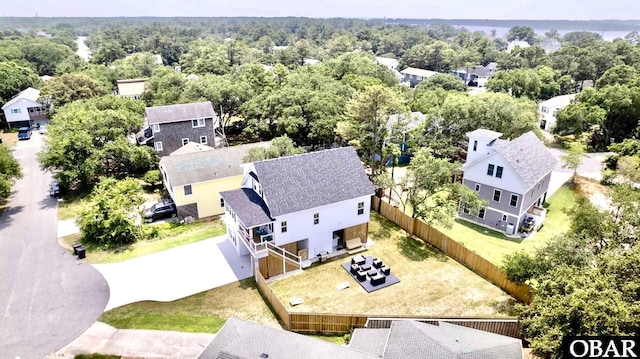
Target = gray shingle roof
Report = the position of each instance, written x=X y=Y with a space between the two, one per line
x=372 y=341
x=412 y=339
x=300 y=182
x=242 y=339
x=181 y=112
x=248 y=206
x=483 y=134
x=528 y=157
x=205 y=166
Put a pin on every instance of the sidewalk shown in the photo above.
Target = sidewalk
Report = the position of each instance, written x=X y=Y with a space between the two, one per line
x=105 y=339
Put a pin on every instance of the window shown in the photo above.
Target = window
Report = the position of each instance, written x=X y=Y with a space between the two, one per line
x=188 y=190
x=221 y=202
x=545 y=109
x=15 y=110
x=490 y=170
x=203 y=140
x=185 y=141
x=504 y=218
x=283 y=226
x=477 y=187
x=316 y=218
x=197 y=122
x=155 y=128
x=465 y=209
x=514 y=201
x=499 y=172
x=158 y=145
x=360 y=208
x=496 y=195
x=481 y=213
x=475 y=145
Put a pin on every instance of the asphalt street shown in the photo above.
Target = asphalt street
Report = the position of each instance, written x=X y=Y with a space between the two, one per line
x=47 y=296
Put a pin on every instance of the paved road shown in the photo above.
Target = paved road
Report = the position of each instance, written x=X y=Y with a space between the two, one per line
x=47 y=296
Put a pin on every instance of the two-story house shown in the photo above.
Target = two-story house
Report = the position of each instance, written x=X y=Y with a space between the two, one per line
x=24 y=110
x=167 y=128
x=512 y=176
x=306 y=205
x=549 y=108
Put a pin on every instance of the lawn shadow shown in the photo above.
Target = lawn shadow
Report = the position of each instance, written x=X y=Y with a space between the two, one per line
x=6 y=217
x=506 y=306
x=418 y=250
x=485 y=232
x=386 y=228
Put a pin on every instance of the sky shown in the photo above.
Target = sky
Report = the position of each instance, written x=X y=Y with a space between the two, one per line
x=443 y=9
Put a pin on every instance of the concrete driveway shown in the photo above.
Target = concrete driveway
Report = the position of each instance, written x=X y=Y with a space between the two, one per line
x=175 y=273
x=47 y=296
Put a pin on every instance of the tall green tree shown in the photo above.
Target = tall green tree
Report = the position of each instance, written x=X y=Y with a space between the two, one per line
x=67 y=88
x=15 y=78
x=523 y=33
x=279 y=147
x=9 y=171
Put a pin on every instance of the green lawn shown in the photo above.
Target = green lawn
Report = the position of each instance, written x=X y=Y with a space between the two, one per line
x=170 y=236
x=493 y=245
x=431 y=284
x=204 y=312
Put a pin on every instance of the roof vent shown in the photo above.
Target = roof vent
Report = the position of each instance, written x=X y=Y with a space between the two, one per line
x=264 y=355
x=457 y=339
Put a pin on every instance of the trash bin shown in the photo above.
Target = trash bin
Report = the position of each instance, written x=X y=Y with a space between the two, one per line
x=82 y=252
x=75 y=248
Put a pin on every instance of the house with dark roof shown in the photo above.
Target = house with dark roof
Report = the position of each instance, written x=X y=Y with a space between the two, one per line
x=306 y=205
x=25 y=110
x=512 y=176
x=167 y=128
x=476 y=75
x=195 y=174
x=240 y=339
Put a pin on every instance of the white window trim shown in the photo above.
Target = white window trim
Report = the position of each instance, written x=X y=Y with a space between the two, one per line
x=494 y=195
x=184 y=190
x=316 y=217
x=360 y=208
x=183 y=143
x=155 y=128
x=505 y=218
x=478 y=187
x=501 y=171
x=203 y=138
x=158 y=146
x=283 y=227
x=198 y=122
x=517 y=200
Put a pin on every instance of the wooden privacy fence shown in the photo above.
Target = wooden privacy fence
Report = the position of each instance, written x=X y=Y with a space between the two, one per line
x=273 y=300
x=507 y=327
x=453 y=249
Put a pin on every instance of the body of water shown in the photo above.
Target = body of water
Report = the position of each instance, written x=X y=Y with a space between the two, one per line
x=83 y=50
x=502 y=31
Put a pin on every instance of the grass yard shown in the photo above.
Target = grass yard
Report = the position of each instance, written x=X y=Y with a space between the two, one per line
x=204 y=312
x=169 y=237
x=9 y=139
x=493 y=245
x=431 y=284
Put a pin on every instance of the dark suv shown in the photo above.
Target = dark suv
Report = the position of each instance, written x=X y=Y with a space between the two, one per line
x=163 y=209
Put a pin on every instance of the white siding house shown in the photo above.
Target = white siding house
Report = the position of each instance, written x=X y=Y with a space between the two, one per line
x=512 y=176
x=24 y=109
x=548 y=109
x=309 y=205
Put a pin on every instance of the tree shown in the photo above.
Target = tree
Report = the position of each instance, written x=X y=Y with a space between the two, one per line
x=279 y=147
x=437 y=56
x=71 y=87
x=15 y=78
x=629 y=168
x=523 y=33
x=141 y=64
x=369 y=112
x=553 y=34
x=433 y=194
x=575 y=156
x=446 y=82
x=581 y=38
x=633 y=38
x=164 y=87
x=9 y=171
x=621 y=75
x=45 y=55
x=106 y=220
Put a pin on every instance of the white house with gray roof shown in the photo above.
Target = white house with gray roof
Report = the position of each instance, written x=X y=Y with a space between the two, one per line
x=24 y=109
x=309 y=205
x=167 y=128
x=512 y=176
x=240 y=339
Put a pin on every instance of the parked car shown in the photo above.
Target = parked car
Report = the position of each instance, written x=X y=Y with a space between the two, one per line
x=54 y=189
x=163 y=209
x=42 y=129
x=24 y=133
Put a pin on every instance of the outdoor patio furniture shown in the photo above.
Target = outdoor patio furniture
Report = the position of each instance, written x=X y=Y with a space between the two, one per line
x=359 y=260
x=377 y=263
x=355 y=268
x=361 y=276
x=378 y=279
x=372 y=272
x=365 y=267
x=385 y=270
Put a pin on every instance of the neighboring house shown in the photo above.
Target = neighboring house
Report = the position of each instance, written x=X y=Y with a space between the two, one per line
x=512 y=176
x=132 y=88
x=414 y=76
x=550 y=45
x=168 y=128
x=309 y=205
x=548 y=109
x=391 y=64
x=476 y=75
x=517 y=43
x=46 y=78
x=309 y=62
x=404 y=123
x=195 y=174
x=405 y=339
x=24 y=110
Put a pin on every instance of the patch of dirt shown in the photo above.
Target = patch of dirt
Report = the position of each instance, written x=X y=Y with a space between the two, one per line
x=596 y=192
